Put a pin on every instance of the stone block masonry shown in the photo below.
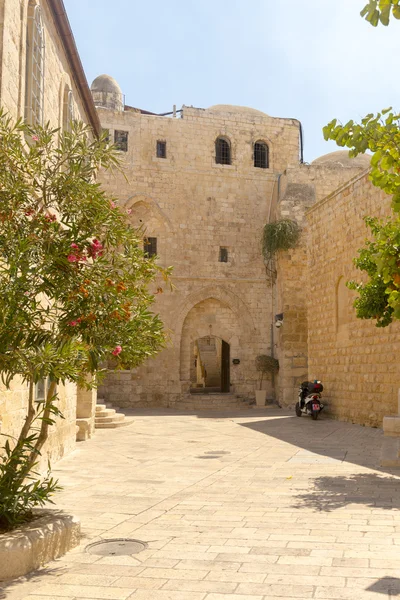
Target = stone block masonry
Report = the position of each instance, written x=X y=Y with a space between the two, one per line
x=357 y=362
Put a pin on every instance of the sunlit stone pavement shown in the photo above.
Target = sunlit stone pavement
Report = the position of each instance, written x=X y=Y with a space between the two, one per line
x=233 y=506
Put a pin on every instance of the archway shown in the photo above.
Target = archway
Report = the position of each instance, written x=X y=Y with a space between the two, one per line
x=209 y=370
x=211 y=334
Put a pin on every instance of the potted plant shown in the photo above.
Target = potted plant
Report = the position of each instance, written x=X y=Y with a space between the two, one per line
x=264 y=364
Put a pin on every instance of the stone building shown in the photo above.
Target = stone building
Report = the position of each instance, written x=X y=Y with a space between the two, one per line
x=203 y=212
x=42 y=79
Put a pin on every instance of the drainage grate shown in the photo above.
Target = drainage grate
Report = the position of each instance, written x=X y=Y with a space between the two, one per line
x=117 y=547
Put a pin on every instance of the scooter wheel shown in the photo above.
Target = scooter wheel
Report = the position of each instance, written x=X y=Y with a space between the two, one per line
x=298 y=410
x=314 y=414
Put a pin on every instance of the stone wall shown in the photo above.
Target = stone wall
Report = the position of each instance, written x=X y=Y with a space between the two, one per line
x=194 y=206
x=356 y=361
x=299 y=188
x=13 y=27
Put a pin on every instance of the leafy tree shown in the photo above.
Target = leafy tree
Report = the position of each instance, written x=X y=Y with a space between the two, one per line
x=380 y=11
x=379 y=295
x=74 y=283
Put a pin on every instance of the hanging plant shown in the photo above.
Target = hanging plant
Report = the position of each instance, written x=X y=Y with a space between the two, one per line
x=279 y=235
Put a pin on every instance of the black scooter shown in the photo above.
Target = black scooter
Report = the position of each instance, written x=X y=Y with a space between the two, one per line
x=309 y=401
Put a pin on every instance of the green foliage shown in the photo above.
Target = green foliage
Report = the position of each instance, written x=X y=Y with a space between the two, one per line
x=279 y=235
x=380 y=11
x=74 y=280
x=267 y=364
x=379 y=295
x=379 y=135
x=21 y=488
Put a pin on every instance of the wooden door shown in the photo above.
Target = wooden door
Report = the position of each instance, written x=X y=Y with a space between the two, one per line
x=225 y=371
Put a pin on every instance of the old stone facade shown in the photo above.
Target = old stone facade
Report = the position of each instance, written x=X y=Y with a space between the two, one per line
x=194 y=208
x=198 y=209
x=41 y=79
x=357 y=361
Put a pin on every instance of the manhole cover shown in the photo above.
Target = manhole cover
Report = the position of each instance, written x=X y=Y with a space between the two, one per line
x=217 y=452
x=116 y=547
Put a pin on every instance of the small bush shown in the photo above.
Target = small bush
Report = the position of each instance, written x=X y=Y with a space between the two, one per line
x=279 y=235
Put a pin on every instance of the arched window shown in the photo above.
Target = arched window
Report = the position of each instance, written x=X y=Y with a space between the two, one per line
x=222 y=151
x=261 y=155
x=68 y=109
x=35 y=48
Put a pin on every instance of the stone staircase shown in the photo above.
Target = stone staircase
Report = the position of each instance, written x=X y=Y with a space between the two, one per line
x=107 y=417
x=213 y=402
x=211 y=361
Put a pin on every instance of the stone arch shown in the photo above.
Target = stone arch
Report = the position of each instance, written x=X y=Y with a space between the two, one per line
x=225 y=296
x=209 y=319
x=343 y=316
x=152 y=206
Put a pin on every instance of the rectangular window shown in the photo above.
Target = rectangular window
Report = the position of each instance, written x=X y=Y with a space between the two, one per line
x=40 y=390
x=223 y=254
x=150 y=246
x=161 y=149
x=121 y=140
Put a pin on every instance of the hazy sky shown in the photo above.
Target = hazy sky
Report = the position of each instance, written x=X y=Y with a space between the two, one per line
x=309 y=59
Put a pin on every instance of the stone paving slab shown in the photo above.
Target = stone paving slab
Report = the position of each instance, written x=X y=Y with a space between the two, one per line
x=233 y=506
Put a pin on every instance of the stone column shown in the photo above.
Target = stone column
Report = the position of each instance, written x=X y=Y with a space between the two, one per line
x=85 y=413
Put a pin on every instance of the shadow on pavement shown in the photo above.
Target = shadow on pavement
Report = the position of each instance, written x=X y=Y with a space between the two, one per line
x=367 y=489
x=34 y=577
x=387 y=585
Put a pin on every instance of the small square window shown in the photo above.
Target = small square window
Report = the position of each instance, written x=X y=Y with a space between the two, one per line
x=121 y=140
x=161 y=149
x=150 y=246
x=223 y=254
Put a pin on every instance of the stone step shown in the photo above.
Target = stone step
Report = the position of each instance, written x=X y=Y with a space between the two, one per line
x=105 y=412
x=390 y=452
x=114 y=424
x=110 y=419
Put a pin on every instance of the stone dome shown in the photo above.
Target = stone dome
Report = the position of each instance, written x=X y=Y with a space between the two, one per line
x=107 y=93
x=105 y=83
x=237 y=109
x=341 y=158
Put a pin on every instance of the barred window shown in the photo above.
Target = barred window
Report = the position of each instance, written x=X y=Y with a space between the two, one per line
x=35 y=55
x=223 y=254
x=121 y=140
x=68 y=109
x=222 y=151
x=150 y=246
x=161 y=149
x=261 y=155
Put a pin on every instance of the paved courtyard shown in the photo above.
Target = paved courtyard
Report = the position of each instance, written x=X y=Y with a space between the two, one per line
x=233 y=506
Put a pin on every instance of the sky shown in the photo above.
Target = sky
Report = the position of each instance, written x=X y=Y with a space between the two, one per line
x=313 y=60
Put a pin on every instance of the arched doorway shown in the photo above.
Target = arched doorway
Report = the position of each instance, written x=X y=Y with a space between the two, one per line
x=209 y=370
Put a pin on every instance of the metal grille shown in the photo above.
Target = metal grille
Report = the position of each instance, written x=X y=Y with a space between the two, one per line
x=35 y=67
x=150 y=246
x=161 y=149
x=69 y=111
x=121 y=140
x=223 y=254
x=222 y=152
x=261 y=155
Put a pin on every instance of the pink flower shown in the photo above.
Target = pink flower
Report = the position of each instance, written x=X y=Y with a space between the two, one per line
x=128 y=211
x=112 y=204
x=117 y=350
x=35 y=138
x=73 y=323
x=96 y=249
x=72 y=258
x=74 y=246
